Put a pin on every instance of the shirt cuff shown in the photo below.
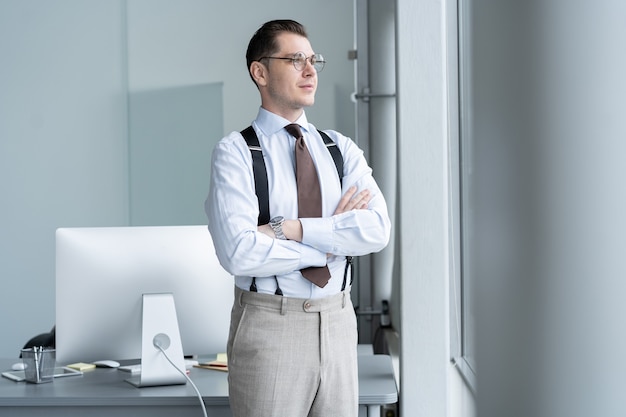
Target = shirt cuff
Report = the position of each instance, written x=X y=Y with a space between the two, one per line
x=312 y=257
x=317 y=232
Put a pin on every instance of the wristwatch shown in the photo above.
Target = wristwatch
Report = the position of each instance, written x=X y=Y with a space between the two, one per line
x=276 y=223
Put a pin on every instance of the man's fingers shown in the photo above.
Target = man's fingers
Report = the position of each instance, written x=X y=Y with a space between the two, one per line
x=361 y=200
x=345 y=200
x=352 y=201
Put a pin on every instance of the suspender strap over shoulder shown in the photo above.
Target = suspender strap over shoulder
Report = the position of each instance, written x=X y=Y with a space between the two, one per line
x=260 y=174
x=335 y=153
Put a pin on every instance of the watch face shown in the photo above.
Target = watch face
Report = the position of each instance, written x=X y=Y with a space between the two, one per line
x=277 y=220
x=276 y=223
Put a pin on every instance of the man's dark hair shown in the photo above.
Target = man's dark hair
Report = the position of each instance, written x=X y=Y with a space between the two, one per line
x=263 y=42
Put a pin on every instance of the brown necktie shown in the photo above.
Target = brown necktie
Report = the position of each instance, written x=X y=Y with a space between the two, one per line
x=309 y=197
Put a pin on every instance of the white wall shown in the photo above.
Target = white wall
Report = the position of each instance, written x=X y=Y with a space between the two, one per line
x=63 y=142
x=430 y=386
x=422 y=136
x=67 y=68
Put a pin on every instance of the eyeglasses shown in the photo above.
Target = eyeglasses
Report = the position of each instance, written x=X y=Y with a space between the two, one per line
x=299 y=60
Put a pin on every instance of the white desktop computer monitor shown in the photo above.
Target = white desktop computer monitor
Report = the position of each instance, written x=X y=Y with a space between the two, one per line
x=104 y=273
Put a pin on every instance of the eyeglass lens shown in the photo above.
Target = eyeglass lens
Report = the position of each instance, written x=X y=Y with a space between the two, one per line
x=299 y=61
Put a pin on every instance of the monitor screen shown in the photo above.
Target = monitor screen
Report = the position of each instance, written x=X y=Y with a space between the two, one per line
x=103 y=272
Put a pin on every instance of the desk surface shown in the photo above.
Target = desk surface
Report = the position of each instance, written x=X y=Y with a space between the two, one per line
x=102 y=387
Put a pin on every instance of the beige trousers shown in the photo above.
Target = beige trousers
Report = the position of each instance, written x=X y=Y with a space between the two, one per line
x=291 y=357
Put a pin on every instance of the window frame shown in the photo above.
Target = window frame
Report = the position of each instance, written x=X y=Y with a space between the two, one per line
x=462 y=327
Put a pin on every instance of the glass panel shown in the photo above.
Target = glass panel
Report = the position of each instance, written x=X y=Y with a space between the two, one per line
x=466 y=181
x=172 y=135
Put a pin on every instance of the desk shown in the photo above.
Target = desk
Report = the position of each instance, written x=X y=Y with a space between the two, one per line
x=103 y=392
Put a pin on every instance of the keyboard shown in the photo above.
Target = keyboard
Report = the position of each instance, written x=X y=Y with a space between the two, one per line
x=133 y=369
x=136 y=368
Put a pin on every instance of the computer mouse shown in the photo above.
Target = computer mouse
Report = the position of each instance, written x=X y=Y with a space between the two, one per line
x=106 y=364
x=18 y=366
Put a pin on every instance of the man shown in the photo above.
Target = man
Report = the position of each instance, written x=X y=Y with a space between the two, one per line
x=292 y=343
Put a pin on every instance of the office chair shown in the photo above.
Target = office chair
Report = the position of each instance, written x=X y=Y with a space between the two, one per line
x=44 y=340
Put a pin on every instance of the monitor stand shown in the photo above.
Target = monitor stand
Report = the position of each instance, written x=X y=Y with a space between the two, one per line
x=160 y=328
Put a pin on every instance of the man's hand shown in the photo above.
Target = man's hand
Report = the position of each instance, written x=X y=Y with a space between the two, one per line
x=353 y=201
x=266 y=229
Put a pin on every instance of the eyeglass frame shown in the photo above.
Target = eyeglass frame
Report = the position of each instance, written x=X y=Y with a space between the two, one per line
x=302 y=60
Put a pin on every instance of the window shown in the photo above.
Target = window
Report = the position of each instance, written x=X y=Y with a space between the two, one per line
x=461 y=185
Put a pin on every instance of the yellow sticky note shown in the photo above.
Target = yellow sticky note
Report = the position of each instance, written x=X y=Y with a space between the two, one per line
x=81 y=366
x=219 y=364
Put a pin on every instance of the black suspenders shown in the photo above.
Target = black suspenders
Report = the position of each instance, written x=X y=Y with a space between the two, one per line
x=260 y=172
x=262 y=188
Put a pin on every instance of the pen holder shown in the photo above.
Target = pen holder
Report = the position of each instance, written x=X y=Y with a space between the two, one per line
x=39 y=364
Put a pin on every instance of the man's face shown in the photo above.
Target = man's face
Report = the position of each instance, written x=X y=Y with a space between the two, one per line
x=287 y=90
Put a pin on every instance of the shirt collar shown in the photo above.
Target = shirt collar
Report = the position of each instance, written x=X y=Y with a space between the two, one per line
x=271 y=123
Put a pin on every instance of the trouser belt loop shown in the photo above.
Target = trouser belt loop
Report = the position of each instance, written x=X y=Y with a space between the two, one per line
x=241 y=299
x=283 y=306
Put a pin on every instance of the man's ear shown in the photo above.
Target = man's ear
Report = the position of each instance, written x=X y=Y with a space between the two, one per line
x=259 y=73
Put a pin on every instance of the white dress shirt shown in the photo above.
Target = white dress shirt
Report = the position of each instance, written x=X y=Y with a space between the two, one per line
x=232 y=210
